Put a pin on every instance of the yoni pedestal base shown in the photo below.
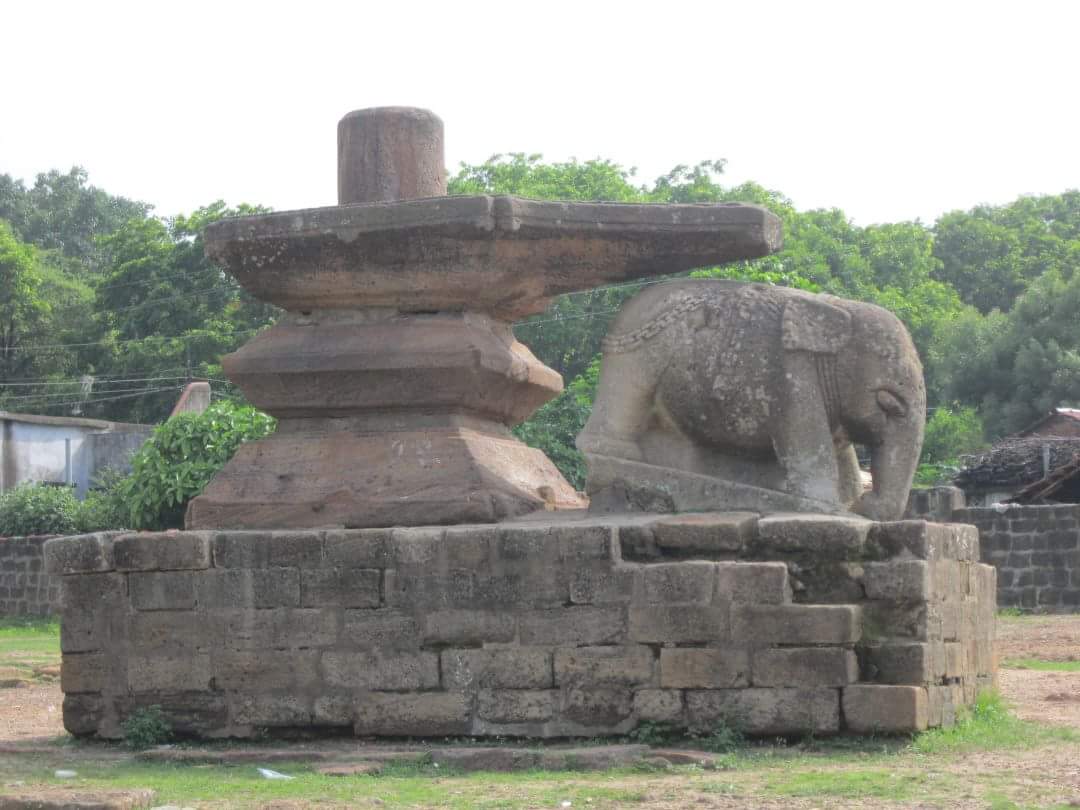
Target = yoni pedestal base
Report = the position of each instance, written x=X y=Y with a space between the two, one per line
x=562 y=627
x=327 y=475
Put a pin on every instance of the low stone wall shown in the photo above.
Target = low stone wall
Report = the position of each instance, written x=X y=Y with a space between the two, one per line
x=25 y=588
x=783 y=625
x=1036 y=551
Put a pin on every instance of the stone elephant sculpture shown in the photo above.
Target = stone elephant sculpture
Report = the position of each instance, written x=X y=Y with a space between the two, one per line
x=766 y=386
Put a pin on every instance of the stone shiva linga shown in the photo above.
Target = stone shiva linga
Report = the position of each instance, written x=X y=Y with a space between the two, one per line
x=392 y=562
x=394 y=373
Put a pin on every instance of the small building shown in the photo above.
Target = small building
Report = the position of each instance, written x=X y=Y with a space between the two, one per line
x=1023 y=468
x=64 y=450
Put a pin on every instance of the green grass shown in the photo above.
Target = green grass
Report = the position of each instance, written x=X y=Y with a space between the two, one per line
x=1037 y=663
x=28 y=642
x=242 y=786
x=989 y=725
x=870 y=783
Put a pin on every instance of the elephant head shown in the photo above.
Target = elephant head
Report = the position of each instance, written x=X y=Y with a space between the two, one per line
x=870 y=380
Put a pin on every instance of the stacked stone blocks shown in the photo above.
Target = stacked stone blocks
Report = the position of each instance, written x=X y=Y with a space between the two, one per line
x=25 y=588
x=1036 y=551
x=781 y=625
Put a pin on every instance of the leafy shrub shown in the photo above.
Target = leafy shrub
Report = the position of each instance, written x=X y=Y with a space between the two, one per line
x=177 y=462
x=102 y=509
x=145 y=728
x=38 y=509
x=951 y=433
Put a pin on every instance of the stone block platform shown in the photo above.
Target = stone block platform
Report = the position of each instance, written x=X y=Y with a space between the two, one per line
x=563 y=627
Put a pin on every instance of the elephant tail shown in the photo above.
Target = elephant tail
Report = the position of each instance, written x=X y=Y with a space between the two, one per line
x=671 y=314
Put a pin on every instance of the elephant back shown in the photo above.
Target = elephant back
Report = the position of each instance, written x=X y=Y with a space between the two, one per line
x=657 y=308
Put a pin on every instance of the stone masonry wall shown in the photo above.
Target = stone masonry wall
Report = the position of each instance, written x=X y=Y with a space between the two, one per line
x=784 y=625
x=25 y=588
x=1036 y=551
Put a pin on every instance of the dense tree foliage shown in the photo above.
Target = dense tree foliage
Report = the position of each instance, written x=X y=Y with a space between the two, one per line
x=106 y=310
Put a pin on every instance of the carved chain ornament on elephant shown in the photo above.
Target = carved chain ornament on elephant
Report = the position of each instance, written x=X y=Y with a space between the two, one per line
x=743 y=378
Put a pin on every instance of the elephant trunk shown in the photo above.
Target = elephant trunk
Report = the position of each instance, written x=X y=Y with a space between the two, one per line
x=892 y=463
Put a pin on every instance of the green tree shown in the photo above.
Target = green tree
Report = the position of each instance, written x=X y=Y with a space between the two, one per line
x=22 y=306
x=991 y=254
x=1015 y=367
x=62 y=212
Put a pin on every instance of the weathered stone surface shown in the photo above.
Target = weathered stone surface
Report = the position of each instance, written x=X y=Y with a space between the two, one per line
x=596 y=706
x=904 y=663
x=498 y=668
x=81 y=554
x=816 y=534
x=898 y=580
x=88 y=672
x=578 y=626
x=471 y=627
x=704 y=668
x=162 y=590
x=659 y=705
x=244 y=587
x=926 y=541
x=256 y=671
x=469 y=650
x=425 y=714
x=340 y=587
x=364 y=548
x=390 y=153
x=165 y=551
x=95 y=608
x=799 y=666
x=682 y=583
x=795 y=624
x=498 y=248
x=516 y=705
x=766 y=711
x=705 y=533
x=169 y=673
x=272 y=710
x=687 y=624
x=885 y=709
x=633 y=665
x=380 y=629
x=484 y=477
x=754 y=383
x=390 y=672
x=753 y=582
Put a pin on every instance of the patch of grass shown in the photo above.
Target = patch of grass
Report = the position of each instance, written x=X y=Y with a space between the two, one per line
x=1037 y=663
x=864 y=783
x=989 y=725
x=243 y=787
x=30 y=639
x=145 y=728
x=1012 y=613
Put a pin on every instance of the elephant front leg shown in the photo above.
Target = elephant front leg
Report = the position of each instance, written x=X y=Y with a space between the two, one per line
x=622 y=408
x=803 y=438
x=849 y=479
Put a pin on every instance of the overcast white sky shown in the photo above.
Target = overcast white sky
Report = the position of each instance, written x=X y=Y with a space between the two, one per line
x=889 y=110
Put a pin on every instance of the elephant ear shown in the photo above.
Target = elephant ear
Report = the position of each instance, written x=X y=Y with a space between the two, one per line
x=812 y=324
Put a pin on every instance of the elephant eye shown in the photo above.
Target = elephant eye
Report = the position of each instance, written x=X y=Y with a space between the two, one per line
x=891 y=403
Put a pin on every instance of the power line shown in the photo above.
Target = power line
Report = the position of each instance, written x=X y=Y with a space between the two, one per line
x=189 y=336
x=92 y=381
